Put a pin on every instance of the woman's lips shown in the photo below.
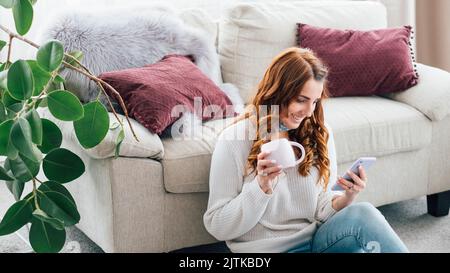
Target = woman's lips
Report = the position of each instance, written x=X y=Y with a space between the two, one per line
x=297 y=118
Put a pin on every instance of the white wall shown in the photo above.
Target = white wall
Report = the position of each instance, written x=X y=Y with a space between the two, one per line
x=45 y=9
x=400 y=12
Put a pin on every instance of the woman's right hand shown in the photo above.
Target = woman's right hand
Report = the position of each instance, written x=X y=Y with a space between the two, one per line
x=267 y=170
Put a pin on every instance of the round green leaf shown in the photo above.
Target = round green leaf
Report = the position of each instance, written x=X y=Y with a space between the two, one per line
x=16 y=188
x=59 y=79
x=60 y=207
x=44 y=238
x=63 y=166
x=6 y=146
x=4 y=175
x=5 y=131
x=51 y=138
x=76 y=55
x=22 y=140
x=9 y=101
x=2 y=44
x=41 y=103
x=24 y=169
x=3 y=79
x=65 y=106
x=16 y=217
x=31 y=199
x=20 y=80
x=2 y=112
x=7 y=3
x=94 y=126
x=119 y=141
x=40 y=77
x=11 y=151
x=50 y=55
x=23 y=15
x=35 y=122
x=4 y=66
x=57 y=187
x=12 y=110
x=41 y=215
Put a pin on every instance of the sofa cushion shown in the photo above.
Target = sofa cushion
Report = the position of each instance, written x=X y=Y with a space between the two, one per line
x=363 y=63
x=362 y=126
x=431 y=96
x=252 y=34
x=200 y=19
x=156 y=95
x=375 y=126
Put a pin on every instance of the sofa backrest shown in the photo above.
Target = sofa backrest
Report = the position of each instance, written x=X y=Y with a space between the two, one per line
x=252 y=34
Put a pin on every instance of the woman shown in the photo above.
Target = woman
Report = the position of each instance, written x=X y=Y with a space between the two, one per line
x=255 y=206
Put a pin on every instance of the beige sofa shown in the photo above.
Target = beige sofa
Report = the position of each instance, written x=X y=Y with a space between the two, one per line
x=152 y=198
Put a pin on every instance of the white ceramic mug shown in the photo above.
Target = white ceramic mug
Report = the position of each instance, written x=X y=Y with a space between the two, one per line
x=281 y=151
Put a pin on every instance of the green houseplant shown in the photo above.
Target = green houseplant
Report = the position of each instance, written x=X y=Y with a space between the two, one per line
x=31 y=143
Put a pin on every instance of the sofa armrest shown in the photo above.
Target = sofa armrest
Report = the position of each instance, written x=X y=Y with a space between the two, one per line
x=431 y=95
x=149 y=145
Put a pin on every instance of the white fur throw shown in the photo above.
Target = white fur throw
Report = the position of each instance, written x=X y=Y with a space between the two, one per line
x=119 y=39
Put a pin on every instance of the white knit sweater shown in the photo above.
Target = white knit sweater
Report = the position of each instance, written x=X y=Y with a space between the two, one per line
x=249 y=220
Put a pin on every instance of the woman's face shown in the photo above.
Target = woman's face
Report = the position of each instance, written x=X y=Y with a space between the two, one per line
x=303 y=105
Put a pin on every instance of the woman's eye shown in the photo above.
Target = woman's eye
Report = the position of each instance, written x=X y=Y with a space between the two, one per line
x=301 y=101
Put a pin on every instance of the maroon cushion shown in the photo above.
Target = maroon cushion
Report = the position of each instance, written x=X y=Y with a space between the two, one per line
x=151 y=92
x=363 y=63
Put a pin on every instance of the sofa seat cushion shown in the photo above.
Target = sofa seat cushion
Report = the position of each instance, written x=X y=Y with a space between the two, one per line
x=362 y=126
x=375 y=126
x=186 y=163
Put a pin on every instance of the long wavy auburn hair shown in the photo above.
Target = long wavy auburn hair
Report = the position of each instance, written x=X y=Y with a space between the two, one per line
x=281 y=84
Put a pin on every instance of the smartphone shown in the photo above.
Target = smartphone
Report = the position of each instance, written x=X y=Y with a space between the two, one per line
x=366 y=162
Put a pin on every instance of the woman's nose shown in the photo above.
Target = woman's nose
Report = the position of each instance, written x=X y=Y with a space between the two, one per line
x=310 y=110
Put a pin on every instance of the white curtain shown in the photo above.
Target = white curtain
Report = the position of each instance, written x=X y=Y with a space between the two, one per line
x=433 y=34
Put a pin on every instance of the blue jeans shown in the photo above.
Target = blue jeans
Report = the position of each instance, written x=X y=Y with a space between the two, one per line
x=358 y=228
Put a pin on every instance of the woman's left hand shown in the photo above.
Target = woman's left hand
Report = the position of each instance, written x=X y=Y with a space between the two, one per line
x=353 y=189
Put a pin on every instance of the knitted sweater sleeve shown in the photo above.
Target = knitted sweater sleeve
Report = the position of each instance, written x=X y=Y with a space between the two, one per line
x=234 y=208
x=324 y=205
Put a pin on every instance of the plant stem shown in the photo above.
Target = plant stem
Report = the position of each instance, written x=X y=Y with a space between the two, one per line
x=102 y=82
x=14 y=35
x=101 y=88
x=77 y=62
x=8 y=58
x=122 y=105
x=39 y=97
x=35 y=194
x=40 y=182
x=87 y=74
x=47 y=86
x=44 y=92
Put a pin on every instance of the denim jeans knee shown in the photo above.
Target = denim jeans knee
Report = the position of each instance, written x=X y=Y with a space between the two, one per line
x=360 y=227
x=363 y=212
